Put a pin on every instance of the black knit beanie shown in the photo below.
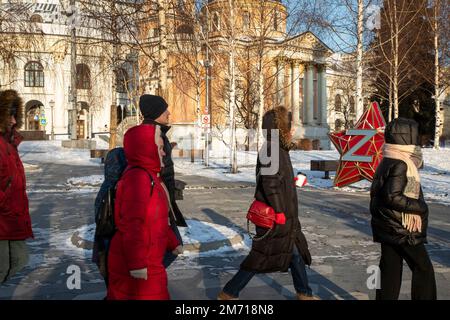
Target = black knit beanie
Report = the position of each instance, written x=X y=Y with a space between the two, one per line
x=152 y=106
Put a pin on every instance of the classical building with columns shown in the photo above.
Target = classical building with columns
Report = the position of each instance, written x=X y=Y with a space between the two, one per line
x=270 y=65
x=39 y=68
x=294 y=67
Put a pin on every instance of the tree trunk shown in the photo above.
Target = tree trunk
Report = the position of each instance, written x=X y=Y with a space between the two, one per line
x=162 y=81
x=437 y=93
x=232 y=113
x=73 y=79
x=395 y=50
x=390 y=97
x=232 y=93
x=113 y=113
x=359 y=61
x=261 y=101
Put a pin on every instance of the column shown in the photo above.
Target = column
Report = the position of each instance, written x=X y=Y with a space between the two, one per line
x=280 y=83
x=289 y=90
x=323 y=97
x=309 y=95
x=61 y=88
x=296 y=93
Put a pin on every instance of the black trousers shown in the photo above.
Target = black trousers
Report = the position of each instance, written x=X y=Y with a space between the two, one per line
x=423 y=285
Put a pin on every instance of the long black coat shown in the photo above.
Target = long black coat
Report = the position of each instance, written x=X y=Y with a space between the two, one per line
x=387 y=201
x=274 y=253
x=168 y=174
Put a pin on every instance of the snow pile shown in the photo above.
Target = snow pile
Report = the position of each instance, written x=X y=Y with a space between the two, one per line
x=200 y=237
x=436 y=175
x=202 y=232
x=31 y=168
x=52 y=152
x=91 y=181
x=100 y=143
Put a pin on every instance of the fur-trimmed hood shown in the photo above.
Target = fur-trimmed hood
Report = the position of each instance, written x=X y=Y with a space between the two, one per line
x=9 y=98
x=279 y=118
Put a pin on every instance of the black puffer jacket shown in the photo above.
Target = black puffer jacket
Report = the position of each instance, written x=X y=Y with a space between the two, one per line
x=387 y=199
x=274 y=253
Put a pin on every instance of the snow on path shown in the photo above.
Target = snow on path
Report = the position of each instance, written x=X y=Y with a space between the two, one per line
x=51 y=152
x=51 y=239
x=435 y=175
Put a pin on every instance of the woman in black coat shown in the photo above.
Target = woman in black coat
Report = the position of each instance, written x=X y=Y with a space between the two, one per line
x=400 y=214
x=285 y=247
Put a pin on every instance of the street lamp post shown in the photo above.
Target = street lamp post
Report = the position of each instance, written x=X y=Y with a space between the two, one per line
x=52 y=107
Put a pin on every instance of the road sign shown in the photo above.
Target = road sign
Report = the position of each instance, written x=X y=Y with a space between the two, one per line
x=206 y=121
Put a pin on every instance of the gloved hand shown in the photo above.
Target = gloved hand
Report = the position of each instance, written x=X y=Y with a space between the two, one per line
x=178 y=250
x=139 y=273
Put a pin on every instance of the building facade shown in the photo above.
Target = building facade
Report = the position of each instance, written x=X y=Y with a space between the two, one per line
x=186 y=60
x=270 y=65
x=40 y=70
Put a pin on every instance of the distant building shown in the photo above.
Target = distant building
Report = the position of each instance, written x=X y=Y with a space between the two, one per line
x=40 y=71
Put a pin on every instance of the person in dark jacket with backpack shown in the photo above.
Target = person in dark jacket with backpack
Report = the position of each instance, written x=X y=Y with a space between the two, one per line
x=155 y=111
x=15 y=221
x=115 y=164
x=400 y=214
x=285 y=247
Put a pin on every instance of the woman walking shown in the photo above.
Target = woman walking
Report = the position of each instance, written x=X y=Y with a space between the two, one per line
x=135 y=259
x=285 y=247
x=400 y=214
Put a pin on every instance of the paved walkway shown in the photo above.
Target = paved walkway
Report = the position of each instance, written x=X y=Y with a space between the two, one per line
x=336 y=225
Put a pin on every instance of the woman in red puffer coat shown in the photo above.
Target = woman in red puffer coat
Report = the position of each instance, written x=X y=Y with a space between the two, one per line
x=135 y=260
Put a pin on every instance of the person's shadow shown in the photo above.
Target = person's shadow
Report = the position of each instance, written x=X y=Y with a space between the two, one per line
x=325 y=287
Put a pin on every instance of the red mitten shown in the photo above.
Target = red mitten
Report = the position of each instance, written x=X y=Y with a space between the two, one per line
x=280 y=218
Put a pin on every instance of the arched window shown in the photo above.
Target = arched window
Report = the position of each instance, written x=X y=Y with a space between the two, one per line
x=246 y=20
x=35 y=18
x=352 y=105
x=216 y=22
x=121 y=80
x=83 y=76
x=185 y=29
x=338 y=103
x=34 y=74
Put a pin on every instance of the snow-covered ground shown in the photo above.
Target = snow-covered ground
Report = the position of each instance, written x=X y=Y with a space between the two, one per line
x=435 y=175
x=195 y=238
x=33 y=152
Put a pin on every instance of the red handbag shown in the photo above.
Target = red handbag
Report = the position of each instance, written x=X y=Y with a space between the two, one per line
x=263 y=216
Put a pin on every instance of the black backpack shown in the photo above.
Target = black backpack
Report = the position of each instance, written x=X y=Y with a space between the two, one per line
x=106 y=226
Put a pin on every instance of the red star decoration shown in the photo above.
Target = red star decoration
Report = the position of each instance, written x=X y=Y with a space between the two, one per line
x=360 y=148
